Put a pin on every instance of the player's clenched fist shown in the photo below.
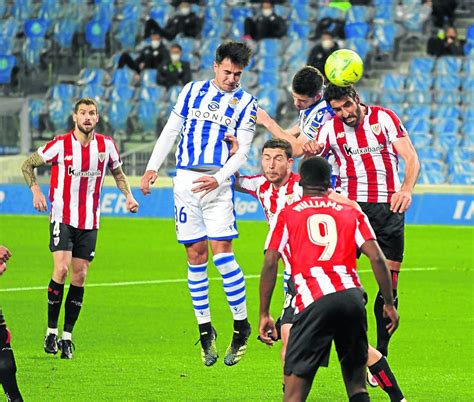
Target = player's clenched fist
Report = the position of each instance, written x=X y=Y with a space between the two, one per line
x=148 y=179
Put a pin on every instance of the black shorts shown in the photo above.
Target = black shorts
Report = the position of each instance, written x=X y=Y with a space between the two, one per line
x=2 y=319
x=288 y=311
x=338 y=316
x=81 y=242
x=388 y=227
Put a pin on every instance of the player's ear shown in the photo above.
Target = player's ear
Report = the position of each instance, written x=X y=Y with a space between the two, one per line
x=74 y=117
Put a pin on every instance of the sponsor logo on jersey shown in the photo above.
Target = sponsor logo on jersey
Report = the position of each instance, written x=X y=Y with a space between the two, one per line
x=359 y=151
x=78 y=173
x=376 y=128
x=101 y=156
x=202 y=93
x=213 y=106
x=68 y=158
x=341 y=134
x=211 y=116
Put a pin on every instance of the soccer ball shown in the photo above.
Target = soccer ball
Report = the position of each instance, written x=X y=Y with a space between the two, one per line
x=344 y=67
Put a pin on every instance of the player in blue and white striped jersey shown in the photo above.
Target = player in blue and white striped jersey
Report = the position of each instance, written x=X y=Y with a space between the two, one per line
x=205 y=113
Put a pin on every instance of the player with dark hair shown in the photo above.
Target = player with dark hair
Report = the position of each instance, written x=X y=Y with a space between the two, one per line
x=207 y=111
x=307 y=91
x=367 y=141
x=79 y=160
x=323 y=236
x=7 y=359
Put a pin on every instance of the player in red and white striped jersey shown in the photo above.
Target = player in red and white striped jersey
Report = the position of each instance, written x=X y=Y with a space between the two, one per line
x=366 y=142
x=79 y=160
x=323 y=236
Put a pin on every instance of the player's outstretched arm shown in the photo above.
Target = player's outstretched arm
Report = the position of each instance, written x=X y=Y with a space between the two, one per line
x=401 y=200
x=28 y=170
x=379 y=266
x=124 y=186
x=267 y=285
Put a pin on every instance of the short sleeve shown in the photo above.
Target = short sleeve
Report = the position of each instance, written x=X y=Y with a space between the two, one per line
x=50 y=151
x=395 y=128
x=114 y=155
x=364 y=231
x=248 y=116
x=250 y=184
x=278 y=235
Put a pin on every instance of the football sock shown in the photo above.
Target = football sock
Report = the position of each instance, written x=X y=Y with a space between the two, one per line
x=205 y=328
x=386 y=380
x=198 y=284
x=55 y=298
x=234 y=284
x=8 y=367
x=383 y=336
x=72 y=306
x=66 y=336
x=360 y=397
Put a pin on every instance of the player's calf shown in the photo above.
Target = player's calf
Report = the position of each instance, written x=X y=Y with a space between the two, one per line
x=8 y=367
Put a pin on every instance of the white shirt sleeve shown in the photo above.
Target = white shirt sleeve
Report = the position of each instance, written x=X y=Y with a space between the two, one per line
x=165 y=141
x=233 y=164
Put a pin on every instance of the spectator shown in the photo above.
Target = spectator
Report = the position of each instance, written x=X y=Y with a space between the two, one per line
x=445 y=44
x=443 y=12
x=320 y=52
x=151 y=55
x=184 y=21
x=175 y=71
x=266 y=25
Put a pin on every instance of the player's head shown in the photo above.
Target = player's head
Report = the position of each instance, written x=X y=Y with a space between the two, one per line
x=277 y=161
x=345 y=103
x=315 y=174
x=86 y=115
x=307 y=87
x=231 y=59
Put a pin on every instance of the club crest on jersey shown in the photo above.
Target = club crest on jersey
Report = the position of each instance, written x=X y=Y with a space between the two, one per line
x=341 y=134
x=56 y=240
x=101 y=156
x=290 y=198
x=376 y=128
x=233 y=102
x=213 y=106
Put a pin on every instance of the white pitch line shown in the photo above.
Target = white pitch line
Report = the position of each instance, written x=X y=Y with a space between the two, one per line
x=165 y=281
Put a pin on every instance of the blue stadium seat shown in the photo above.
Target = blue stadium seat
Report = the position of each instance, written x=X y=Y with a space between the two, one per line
x=325 y=11
x=418 y=126
x=431 y=153
x=271 y=80
x=469 y=46
x=63 y=32
x=385 y=33
x=172 y=95
x=447 y=127
x=49 y=11
x=147 y=114
x=121 y=93
x=32 y=50
x=8 y=30
x=117 y=115
x=367 y=95
x=358 y=14
x=444 y=97
x=299 y=30
x=123 y=77
x=104 y=10
x=360 y=45
x=301 y=11
x=59 y=113
x=396 y=107
x=422 y=65
x=35 y=29
x=448 y=111
x=7 y=63
x=447 y=82
x=238 y=16
x=467 y=82
x=36 y=108
x=462 y=178
x=422 y=110
x=461 y=167
x=392 y=97
x=21 y=9
x=160 y=12
x=421 y=140
x=419 y=83
x=357 y=30
x=448 y=65
x=92 y=76
x=208 y=51
x=151 y=94
x=127 y=31
x=96 y=32
x=149 y=77
x=432 y=178
x=384 y=10
x=94 y=91
x=432 y=165
x=269 y=48
x=267 y=97
x=62 y=91
x=418 y=97
x=468 y=66
x=448 y=141
x=467 y=127
x=393 y=82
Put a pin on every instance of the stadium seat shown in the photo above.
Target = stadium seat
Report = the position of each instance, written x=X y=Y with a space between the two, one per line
x=358 y=14
x=147 y=114
x=127 y=32
x=62 y=91
x=49 y=11
x=418 y=110
x=384 y=10
x=468 y=66
x=151 y=94
x=160 y=12
x=299 y=30
x=448 y=65
x=432 y=178
x=447 y=127
x=92 y=76
x=361 y=46
x=96 y=32
x=462 y=178
x=21 y=9
x=63 y=32
x=393 y=82
x=447 y=82
x=447 y=97
x=266 y=99
x=357 y=30
x=448 y=111
x=421 y=140
x=431 y=153
x=467 y=127
x=467 y=83
x=448 y=141
x=385 y=33
x=396 y=107
x=104 y=10
x=117 y=115
x=415 y=98
x=469 y=45
x=460 y=154
x=36 y=108
x=422 y=66
x=269 y=48
x=122 y=77
x=238 y=16
x=418 y=126
x=32 y=51
x=122 y=93
x=368 y=95
x=208 y=50
x=392 y=97
x=8 y=30
x=59 y=113
x=268 y=80
x=325 y=11
x=148 y=77
x=94 y=91
x=7 y=63
x=418 y=83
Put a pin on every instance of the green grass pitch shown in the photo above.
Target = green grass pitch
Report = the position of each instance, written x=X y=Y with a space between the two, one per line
x=136 y=341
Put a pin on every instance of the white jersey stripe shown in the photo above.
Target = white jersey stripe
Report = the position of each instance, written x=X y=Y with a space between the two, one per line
x=346 y=279
x=323 y=280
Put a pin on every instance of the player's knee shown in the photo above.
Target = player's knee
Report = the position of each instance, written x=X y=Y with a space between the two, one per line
x=61 y=271
x=79 y=278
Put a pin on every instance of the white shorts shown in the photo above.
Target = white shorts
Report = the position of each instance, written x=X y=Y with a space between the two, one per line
x=197 y=217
